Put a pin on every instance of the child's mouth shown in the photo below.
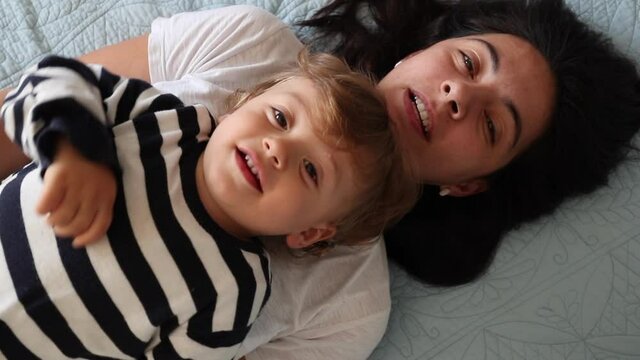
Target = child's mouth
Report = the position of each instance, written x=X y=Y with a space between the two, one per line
x=248 y=169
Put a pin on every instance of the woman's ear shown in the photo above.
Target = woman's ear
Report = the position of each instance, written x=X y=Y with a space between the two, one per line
x=407 y=57
x=310 y=236
x=465 y=189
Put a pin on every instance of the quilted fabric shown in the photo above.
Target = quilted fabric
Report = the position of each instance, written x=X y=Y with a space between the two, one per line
x=565 y=287
x=29 y=29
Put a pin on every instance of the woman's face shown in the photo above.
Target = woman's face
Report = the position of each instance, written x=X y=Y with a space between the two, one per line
x=465 y=107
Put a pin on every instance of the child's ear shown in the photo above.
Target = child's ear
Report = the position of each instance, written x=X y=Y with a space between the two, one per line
x=310 y=236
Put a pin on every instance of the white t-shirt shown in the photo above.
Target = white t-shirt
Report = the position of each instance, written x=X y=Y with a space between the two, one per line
x=330 y=307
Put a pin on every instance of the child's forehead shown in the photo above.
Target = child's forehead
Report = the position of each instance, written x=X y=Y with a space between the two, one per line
x=298 y=87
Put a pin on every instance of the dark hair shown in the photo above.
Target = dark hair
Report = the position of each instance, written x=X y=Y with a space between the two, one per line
x=450 y=241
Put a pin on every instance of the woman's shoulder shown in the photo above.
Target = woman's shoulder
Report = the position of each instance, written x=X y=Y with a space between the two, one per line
x=252 y=11
x=232 y=17
x=248 y=14
x=202 y=56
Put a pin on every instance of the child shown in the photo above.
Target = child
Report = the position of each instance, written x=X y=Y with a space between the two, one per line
x=309 y=154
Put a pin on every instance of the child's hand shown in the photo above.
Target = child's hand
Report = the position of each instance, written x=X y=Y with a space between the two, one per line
x=78 y=196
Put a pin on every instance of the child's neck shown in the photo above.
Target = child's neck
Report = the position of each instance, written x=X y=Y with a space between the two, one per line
x=215 y=211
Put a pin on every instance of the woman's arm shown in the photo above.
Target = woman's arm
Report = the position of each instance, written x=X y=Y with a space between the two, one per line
x=12 y=157
x=128 y=58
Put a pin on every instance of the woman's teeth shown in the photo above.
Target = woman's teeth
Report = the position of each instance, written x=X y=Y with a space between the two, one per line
x=251 y=166
x=422 y=113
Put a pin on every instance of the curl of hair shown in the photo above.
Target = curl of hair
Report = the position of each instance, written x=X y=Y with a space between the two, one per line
x=352 y=118
x=449 y=241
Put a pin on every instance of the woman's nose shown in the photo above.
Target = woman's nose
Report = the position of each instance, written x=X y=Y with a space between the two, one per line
x=456 y=96
x=275 y=152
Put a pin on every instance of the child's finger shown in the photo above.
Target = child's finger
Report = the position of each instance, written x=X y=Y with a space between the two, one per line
x=96 y=231
x=80 y=221
x=63 y=214
x=52 y=194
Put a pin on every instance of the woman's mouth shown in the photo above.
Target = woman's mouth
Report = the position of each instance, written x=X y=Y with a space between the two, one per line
x=249 y=169
x=423 y=121
x=418 y=114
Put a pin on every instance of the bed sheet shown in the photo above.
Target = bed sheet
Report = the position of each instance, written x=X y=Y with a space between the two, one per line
x=30 y=29
x=564 y=287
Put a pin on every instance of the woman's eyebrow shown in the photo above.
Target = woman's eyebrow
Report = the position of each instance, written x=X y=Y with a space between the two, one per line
x=495 y=58
x=515 y=115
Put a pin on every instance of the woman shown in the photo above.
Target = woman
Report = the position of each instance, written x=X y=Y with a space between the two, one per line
x=520 y=106
x=584 y=140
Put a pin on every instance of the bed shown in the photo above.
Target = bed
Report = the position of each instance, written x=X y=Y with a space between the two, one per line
x=564 y=287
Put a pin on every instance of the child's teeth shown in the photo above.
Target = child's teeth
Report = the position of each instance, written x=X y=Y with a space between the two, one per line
x=251 y=166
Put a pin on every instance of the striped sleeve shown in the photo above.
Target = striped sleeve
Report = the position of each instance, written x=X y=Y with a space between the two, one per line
x=64 y=97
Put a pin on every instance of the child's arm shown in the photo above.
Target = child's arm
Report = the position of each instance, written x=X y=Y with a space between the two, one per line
x=78 y=195
x=63 y=102
x=128 y=58
x=58 y=98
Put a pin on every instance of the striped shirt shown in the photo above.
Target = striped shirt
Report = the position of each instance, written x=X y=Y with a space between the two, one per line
x=167 y=282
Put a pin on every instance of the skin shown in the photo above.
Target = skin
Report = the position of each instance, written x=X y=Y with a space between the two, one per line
x=303 y=183
x=468 y=101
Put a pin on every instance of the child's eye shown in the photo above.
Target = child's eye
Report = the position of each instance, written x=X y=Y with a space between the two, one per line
x=281 y=119
x=468 y=63
x=311 y=170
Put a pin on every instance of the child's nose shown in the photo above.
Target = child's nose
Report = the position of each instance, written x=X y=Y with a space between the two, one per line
x=275 y=151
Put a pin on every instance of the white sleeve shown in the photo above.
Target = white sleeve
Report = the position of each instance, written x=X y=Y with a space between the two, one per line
x=202 y=56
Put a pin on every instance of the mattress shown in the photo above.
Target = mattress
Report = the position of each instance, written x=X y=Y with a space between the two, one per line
x=564 y=287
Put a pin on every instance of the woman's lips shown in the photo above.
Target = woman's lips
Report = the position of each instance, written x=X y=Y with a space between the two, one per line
x=242 y=160
x=413 y=115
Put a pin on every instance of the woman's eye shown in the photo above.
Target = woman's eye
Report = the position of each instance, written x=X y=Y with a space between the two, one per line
x=468 y=63
x=491 y=127
x=280 y=118
x=311 y=170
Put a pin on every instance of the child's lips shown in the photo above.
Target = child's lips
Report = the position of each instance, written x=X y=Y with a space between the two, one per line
x=249 y=168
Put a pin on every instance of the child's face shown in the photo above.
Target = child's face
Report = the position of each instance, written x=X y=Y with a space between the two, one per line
x=268 y=173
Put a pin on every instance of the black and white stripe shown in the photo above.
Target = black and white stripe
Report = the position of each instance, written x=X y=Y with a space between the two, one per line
x=166 y=282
